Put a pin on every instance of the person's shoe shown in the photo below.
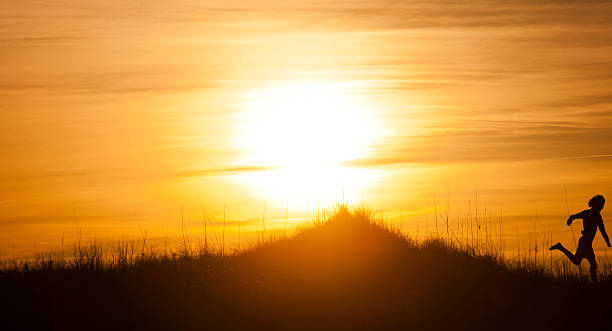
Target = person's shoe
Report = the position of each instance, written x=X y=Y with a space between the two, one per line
x=555 y=246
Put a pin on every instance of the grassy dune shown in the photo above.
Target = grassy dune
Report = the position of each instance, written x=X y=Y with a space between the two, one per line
x=349 y=272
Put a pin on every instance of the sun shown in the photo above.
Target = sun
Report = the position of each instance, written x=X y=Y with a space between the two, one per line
x=304 y=132
x=305 y=124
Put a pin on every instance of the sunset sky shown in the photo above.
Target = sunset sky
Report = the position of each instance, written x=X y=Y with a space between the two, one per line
x=118 y=116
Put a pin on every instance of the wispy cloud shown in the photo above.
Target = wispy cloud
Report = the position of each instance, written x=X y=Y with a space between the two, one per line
x=223 y=171
x=507 y=145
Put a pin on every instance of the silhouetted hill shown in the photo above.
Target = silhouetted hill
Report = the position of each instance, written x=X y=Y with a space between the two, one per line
x=345 y=274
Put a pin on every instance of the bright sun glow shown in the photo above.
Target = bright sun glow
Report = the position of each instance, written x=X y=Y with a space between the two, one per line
x=304 y=132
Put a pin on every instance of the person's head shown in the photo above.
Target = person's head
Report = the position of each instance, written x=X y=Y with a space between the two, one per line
x=597 y=202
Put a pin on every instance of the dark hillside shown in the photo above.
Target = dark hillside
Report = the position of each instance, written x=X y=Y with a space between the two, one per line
x=348 y=273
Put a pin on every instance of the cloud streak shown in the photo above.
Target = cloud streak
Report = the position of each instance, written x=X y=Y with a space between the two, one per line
x=224 y=171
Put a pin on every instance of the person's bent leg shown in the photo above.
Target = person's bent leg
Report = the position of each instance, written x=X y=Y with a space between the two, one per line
x=574 y=258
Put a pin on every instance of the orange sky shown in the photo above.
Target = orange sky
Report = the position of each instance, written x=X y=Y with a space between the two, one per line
x=124 y=113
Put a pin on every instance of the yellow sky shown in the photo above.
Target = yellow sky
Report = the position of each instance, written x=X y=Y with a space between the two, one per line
x=125 y=113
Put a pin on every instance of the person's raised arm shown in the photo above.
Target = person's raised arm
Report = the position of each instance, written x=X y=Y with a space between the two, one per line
x=602 y=229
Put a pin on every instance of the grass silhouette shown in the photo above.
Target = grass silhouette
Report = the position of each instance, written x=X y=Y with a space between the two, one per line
x=348 y=271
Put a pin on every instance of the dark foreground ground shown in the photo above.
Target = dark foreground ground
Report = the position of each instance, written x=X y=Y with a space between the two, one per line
x=348 y=274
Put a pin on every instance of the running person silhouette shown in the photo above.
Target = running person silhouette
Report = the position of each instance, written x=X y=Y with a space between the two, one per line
x=591 y=220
